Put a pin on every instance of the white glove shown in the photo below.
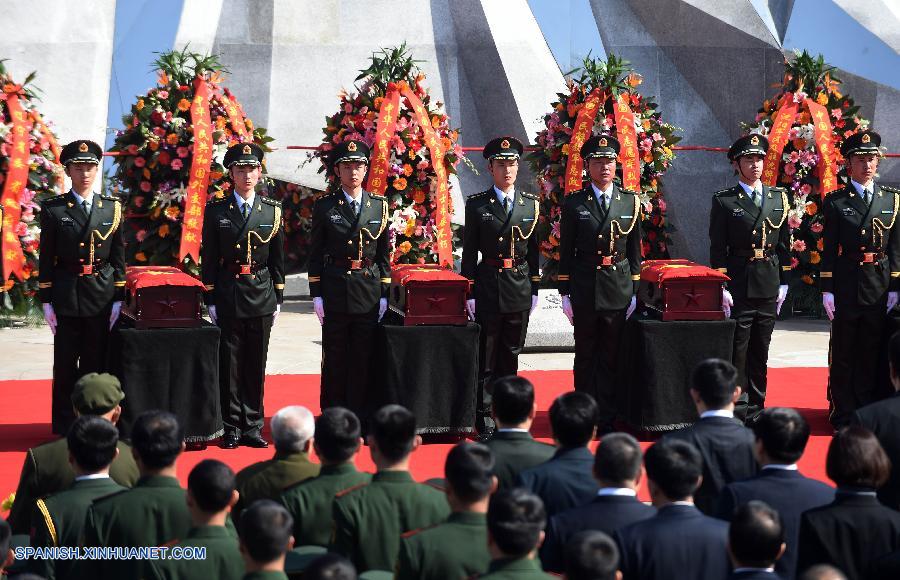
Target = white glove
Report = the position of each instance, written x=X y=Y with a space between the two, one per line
x=782 y=294
x=828 y=303
x=631 y=307
x=319 y=309
x=382 y=308
x=470 y=308
x=212 y=314
x=893 y=298
x=114 y=313
x=727 y=302
x=567 y=310
x=50 y=317
x=276 y=313
x=534 y=303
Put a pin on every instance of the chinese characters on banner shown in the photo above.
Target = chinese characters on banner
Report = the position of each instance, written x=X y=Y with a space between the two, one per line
x=195 y=200
x=381 y=152
x=16 y=178
x=584 y=123
x=627 y=136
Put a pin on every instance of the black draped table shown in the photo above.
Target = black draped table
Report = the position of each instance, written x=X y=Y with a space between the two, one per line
x=432 y=371
x=173 y=369
x=658 y=358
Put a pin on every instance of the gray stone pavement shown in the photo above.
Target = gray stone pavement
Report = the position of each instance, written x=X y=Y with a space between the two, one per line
x=295 y=348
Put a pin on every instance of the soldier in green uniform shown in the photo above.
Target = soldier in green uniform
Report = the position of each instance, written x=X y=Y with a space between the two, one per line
x=349 y=277
x=369 y=518
x=456 y=548
x=599 y=269
x=514 y=449
x=265 y=534
x=242 y=263
x=749 y=240
x=336 y=444
x=47 y=470
x=211 y=494
x=59 y=519
x=81 y=275
x=499 y=225
x=860 y=275
x=515 y=521
x=153 y=513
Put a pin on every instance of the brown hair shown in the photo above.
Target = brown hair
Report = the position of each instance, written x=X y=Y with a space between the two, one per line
x=856 y=459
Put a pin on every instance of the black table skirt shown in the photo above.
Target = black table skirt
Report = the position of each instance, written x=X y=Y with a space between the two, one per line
x=433 y=372
x=173 y=369
x=658 y=359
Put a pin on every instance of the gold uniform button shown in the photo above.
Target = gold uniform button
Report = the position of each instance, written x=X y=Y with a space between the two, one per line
x=237 y=246
x=349 y=242
x=754 y=232
x=348 y=272
x=501 y=239
x=81 y=244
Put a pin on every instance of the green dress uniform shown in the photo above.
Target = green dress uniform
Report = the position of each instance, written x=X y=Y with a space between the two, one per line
x=456 y=548
x=242 y=266
x=81 y=273
x=514 y=452
x=309 y=502
x=515 y=569
x=268 y=479
x=599 y=268
x=349 y=269
x=370 y=518
x=223 y=557
x=265 y=575
x=749 y=239
x=500 y=227
x=59 y=520
x=860 y=265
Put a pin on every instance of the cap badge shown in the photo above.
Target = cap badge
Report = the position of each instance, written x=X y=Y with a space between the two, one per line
x=351 y=146
x=504 y=144
x=247 y=150
x=83 y=147
x=866 y=138
x=602 y=142
x=754 y=140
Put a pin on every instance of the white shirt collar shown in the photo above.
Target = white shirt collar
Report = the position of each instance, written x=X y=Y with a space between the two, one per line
x=749 y=569
x=749 y=188
x=717 y=413
x=688 y=503
x=88 y=198
x=512 y=430
x=350 y=198
x=241 y=202
x=781 y=466
x=598 y=193
x=617 y=491
x=859 y=187
x=501 y=195
x=92 y=476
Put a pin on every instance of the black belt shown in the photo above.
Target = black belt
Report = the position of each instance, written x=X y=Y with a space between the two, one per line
x=753 y=253
x=83 y=269
x=246 y=269
x=505 y=263
x=349 y=264
x=864 y=257
x=599 y=260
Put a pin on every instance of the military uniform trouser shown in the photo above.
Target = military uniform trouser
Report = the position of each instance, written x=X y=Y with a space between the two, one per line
x=79 y=348
x=500 y=342
x=853 y=359
x=598 y=338
x=348 y=349
x=755 y=319
x=243 y=349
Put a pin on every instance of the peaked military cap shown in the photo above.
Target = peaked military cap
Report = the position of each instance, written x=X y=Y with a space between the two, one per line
x=81 y=151
x=861 y=143
x=600 y=146
x=503 y=148
x=243 y=154
x=752 y=144
x=351 y=151
x=97 y=393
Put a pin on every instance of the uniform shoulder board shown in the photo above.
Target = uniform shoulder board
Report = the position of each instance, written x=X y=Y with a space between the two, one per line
x=434 y=485
x=412 y=533
x=217 y=200
x=723 y=192
x=350 y=490
x=110 y=496
x=529 y=195
x=623 y=190
x=777 y=189
x=376 y=196
x=270 y=200
x=889 y=188
x=55 y=199
x=480 y=195
x=110 y=197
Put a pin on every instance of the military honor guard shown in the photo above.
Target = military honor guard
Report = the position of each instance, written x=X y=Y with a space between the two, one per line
x=599 y=270
x=349 y=277
x=500 y=224
x=860 y=275
x=81 y=276
x=242 y=266
x=749 y=239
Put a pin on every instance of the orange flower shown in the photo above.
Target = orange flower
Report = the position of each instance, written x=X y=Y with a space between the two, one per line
x=400 y=183
x=815 y=257
x=404 y=248
x=172 y=212
x=820 y=245
x=822 y=99
x=378 y=102
x=163 y=230
x=799 y=144
x=220 y=122
x=646 y=124
x=140 y=257
x=803 y=118
x=811 y=208
x=183 y=105
x=172 y=139
x=249 y=124
x=146 y=173
x=139 y=105
x=407 y=169
x=154 y=144
x=162 y=79
x=419 y=196
x=634 y=79
x=215 y=175
x=807 y=279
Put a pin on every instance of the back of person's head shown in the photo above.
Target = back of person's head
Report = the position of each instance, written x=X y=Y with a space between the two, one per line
x=5 y=541
x=591 y=555
x=292 y=428
x=756 y=535
x=856 y=459
x=516 y=520
x=513 y=399
x=330 y=567
x=783 y=433
x=573 y=416
x=92 y=441
x=157 y=438
x=618 y=459
x=337 y=434
x=469 y=470
x=822 y=572
x=675 y=467
x=211 y=483
x=714 y=380
x=394 y=432
x=265 y=531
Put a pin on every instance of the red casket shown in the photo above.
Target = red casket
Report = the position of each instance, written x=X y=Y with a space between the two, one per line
x=162 y=297
x=682 y=290
x=428 y=294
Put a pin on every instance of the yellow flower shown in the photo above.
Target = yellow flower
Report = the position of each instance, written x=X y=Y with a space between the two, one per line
x=405 y=247
x=140 y=257
x=8 y=502
x=822 y=99
x=249 y=124
x=410 y=229
x=815 y=257
x=183 y=105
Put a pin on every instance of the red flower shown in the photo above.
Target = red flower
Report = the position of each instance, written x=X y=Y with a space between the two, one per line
x=164 y=158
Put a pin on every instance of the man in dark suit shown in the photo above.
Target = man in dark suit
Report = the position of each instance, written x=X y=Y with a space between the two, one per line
x=883 y=419
x=679 y=540
x=81 y=276
x=592 y=555
x=515 y=522
x=725 y=444
x=748 y=240
x=617 y=469
x=755 y=542
x=243 y=271
x=781 y=437
x=599 y=270
x=500 y=224
x=265 y=539
x=349 y=278
x=860 y=275
x=566 y=480
x=513 y=410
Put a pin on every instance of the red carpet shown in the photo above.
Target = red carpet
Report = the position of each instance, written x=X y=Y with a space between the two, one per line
x=25 y=420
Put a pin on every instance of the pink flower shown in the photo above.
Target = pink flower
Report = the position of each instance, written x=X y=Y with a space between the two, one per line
x=140 y=235
x=799 y=246
x=21 y=229
x=794 y=133
x=794 y=263
x=162 y=94
x=139 y=161
x=182 y=152
x=646 y=144
x=348 y=108
x=145 y=186
x=789 y=169
x=817 y=228
x=837 y=113
x=658 y=137
x=805 y=189
x=662 y=205
x=422 y=165
x=176 y=164
x=794 y=222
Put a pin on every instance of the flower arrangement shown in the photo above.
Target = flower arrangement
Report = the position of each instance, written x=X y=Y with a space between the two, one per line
x=297 y=204
x=655 y=139
x=156 y=147
x=411 y=175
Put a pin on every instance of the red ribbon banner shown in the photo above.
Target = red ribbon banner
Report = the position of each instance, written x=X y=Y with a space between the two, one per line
x=198 y=184
x=627 y=136
x=778 y=138
x=822 y=131
x=16 y=178
x=384 y=132
x=584 y=122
